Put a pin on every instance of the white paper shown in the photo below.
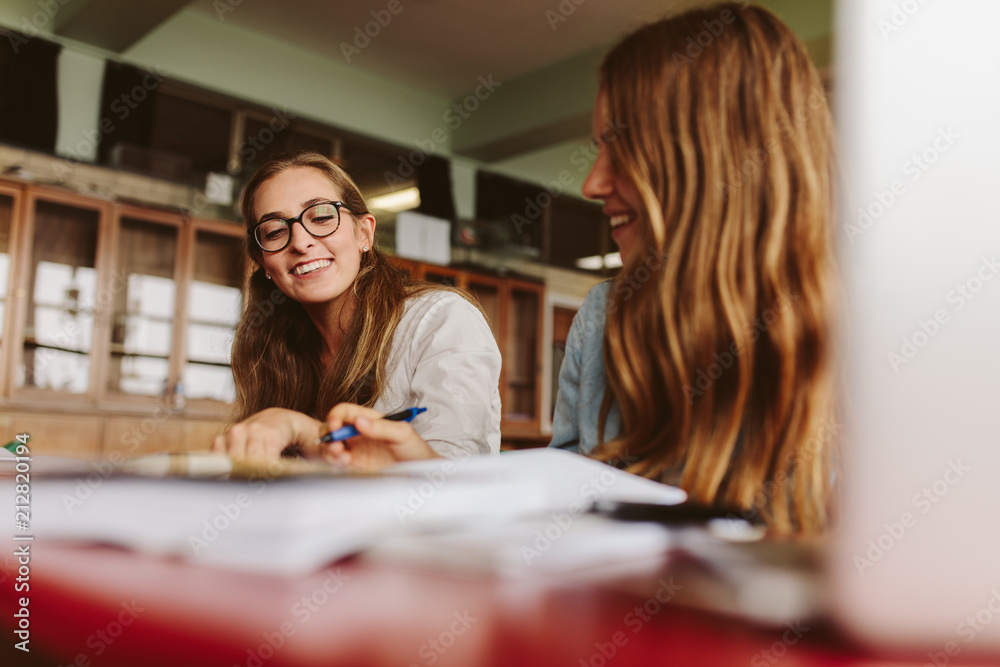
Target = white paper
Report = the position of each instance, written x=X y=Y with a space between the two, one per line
x=294 y=526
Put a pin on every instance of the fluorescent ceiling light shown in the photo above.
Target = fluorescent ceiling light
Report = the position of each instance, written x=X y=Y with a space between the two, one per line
x=612 y=260
x=394 y=202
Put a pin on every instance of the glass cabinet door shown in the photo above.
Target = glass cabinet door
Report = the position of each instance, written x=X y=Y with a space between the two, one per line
x=6 y=213
x=214 y=304
x=487 y=291
x=143 y=299
x=562 y=320
x=61 y=286
x=522 y=356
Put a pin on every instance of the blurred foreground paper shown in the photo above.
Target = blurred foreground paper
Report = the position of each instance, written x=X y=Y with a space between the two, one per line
x=293 y=526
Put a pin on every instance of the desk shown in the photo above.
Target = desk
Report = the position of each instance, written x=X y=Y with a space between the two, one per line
x=104 y=607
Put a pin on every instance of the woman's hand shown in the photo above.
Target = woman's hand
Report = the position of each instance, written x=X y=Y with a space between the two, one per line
x=265 y=434
x=381 y=442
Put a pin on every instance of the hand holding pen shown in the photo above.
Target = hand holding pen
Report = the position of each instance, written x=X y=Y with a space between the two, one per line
x=345 y=432
x=377 y=440
x=374 y=441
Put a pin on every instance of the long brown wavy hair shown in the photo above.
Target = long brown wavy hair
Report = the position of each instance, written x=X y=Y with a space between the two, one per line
x=718 y=353
x=277 y=349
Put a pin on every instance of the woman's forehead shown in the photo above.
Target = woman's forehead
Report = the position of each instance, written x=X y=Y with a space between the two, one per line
x=293 y=189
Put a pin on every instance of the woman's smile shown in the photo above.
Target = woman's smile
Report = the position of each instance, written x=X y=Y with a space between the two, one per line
x=310 y=268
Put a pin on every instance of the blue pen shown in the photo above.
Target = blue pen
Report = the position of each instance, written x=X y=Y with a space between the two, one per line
x=345 y=432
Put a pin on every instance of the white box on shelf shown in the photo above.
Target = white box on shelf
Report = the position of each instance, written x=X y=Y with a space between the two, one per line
x=423 y=238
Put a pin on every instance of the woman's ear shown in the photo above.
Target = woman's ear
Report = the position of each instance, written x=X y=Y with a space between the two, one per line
x=366 y=231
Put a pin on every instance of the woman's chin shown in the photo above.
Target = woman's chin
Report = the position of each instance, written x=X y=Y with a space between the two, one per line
x=625 y=238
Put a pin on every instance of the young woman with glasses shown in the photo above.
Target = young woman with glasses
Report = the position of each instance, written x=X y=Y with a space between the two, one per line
x=706 y=363
x=350 y=337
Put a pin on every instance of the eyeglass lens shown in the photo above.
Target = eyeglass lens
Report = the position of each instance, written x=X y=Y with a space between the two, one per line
x=319 y=220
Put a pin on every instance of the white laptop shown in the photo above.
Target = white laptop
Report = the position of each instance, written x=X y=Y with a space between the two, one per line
x=916 y=563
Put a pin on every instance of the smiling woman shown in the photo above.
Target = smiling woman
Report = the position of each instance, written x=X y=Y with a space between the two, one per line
x=707 y=363
x=347 y=336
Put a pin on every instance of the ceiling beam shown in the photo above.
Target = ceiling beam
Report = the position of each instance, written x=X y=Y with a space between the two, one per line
x=548 y=107
x=541 y=109
x=114 y=25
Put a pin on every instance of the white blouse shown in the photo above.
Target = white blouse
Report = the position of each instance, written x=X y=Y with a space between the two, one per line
x=444 y=358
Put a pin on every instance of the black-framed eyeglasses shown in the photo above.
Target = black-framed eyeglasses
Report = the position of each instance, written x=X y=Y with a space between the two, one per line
x=319 y=220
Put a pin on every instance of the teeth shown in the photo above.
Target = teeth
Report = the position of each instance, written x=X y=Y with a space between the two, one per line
x=311 y=266
x=619 y=220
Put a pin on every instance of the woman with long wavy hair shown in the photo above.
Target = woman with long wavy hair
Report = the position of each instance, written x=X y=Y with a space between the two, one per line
x=332 y=333
x=707 y=362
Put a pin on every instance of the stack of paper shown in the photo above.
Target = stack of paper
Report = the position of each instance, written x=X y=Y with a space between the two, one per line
x=295 y=525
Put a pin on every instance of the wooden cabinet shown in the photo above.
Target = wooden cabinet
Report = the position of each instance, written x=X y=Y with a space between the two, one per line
x=60 y=283
x=490 y=292
x=522 y=354
x=143 y=359
x=513 y=308
x=108 y=310
x=11 y=201
x=58 y=435
x=213 y=297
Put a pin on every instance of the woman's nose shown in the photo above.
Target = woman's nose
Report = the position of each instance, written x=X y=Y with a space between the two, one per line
x=600 y=180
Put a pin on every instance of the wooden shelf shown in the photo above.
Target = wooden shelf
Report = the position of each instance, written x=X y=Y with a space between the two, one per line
x=111 y=241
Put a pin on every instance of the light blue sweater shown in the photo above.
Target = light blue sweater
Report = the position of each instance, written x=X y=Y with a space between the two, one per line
x=582 y=380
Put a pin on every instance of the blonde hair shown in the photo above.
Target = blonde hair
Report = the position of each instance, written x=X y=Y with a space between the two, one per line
x=277 y=348
x=728 y=146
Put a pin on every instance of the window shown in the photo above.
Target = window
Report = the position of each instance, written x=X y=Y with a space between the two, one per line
x=515 y=212
x=6 y=213
x=123 y=308
x=377 y=170
x=521 y=356
x=388 y=182
x=28 y=90
x=160 y=129
x=192 y=131
x=560 y=230
x=214 y=303
x=61 y=294
x=143 y=296
x=264 y=137
x=580 y=236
